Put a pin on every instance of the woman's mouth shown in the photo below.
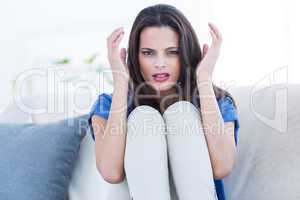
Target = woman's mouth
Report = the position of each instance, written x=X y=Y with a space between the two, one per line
x=160 y=77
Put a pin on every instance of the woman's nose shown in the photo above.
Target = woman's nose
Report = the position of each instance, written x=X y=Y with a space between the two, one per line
x=160 y=63
x=160 y=66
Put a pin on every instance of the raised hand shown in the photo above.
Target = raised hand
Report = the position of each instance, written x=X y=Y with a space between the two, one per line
x=206 y=66
x=116 y=57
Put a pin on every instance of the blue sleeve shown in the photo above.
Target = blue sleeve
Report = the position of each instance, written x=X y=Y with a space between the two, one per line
x=100 y=108
x=229 y=113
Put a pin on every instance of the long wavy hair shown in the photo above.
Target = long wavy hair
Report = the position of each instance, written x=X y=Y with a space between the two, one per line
x=189 y=53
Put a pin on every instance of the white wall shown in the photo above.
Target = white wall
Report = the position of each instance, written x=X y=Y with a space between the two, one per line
x=260 y=37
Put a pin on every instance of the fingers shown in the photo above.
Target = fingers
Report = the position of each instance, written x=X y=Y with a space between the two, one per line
x=117 y=41
x=114 y=35
x=123 y=56
x=205 y=49
x=114 y=39
x=113 y=42
x=216 y=35
x=215 y=30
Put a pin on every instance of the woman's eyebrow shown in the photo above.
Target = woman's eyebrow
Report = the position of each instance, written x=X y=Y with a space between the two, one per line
x=146 y=48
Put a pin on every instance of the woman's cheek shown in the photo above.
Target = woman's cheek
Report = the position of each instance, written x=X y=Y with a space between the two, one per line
x=146 y=72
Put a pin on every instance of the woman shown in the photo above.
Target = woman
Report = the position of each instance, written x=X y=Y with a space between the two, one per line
x=162 y=90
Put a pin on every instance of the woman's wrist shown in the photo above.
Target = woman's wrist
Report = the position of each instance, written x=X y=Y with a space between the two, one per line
x=203 y=75
x=120 y=79
x=121 y=85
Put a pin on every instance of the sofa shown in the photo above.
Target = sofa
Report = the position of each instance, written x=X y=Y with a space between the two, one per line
x=268 y=146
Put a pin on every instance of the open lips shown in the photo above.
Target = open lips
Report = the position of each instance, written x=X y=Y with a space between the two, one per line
x=160 y=77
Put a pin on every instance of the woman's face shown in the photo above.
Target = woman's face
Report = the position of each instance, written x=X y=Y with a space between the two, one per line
x=159 y=57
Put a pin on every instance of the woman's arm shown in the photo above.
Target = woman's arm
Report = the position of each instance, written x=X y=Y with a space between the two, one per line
x=110 y=135
x=219 y=135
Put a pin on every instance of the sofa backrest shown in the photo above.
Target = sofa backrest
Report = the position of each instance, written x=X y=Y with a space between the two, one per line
x=268 y=146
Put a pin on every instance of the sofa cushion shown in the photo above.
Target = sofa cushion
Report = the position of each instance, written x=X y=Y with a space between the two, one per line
x=37 y=160
x=268 y=150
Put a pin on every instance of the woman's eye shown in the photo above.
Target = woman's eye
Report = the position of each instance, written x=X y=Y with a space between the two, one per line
x=147 y=53
x=174 y=52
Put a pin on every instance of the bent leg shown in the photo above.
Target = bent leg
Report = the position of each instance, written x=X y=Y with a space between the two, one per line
x=146 y=161
x=188 y=153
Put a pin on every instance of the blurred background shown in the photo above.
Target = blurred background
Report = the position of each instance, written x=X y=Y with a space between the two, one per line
x=45 y=44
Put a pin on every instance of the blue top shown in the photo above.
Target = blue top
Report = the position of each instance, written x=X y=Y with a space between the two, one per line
x=102 y=105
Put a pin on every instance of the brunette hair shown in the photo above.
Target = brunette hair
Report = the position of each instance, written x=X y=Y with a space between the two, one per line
x=189 y=51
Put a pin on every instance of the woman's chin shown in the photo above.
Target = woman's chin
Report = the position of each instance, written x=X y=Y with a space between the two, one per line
x=163 y=87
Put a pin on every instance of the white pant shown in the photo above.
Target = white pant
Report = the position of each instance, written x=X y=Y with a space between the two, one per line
x=166 y=150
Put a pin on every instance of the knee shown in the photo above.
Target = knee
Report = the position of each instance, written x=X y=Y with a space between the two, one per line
x=146 y=119
x=180 y=109
x=144 y=111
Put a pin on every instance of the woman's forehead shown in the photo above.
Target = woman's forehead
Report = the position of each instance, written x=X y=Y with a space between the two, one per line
x=158 y=37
